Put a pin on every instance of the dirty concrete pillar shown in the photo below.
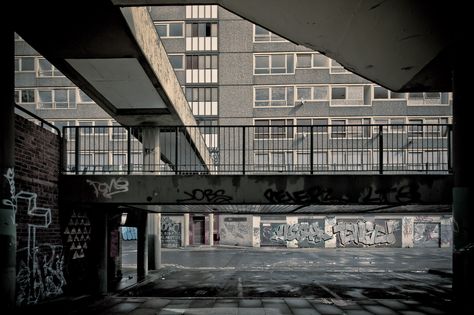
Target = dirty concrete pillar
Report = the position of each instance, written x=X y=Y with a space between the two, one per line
x=7 y=163
x=211 y=229
x=407 y=231
x=256 y=231
x=151 y=150
x=329 y=223
x=185 y=241
x=463 y=191
x=142 y=246
x=290 y=222
x=102 y=253
x=154 y=241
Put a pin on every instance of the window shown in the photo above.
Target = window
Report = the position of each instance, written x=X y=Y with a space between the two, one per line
x=118 y=132
x=84 y=98
x=201 y=12
x=169 y=29
x=56 y=99
x=320 y=125
x=262 y=35
x=428 y=127
x=46 y=69
x=274 y=129
x=311 y=61
x=209 y=131
x=24 y=96
x=203 y=100
x=274 y=96
x=201 y=36
x=277 y=161
x=337 y=68
x=312 y=93
x=101 y=127
x=68 y=133
x=352 y=95
x=381 y=93
x=350 y=128
x=177 y=61
x=201 y=68
x=391 y=125
x=425 y=98
x=274 y=64
x=24 y=64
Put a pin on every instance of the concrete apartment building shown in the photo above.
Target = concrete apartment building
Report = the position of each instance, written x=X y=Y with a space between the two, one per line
x=236 y=73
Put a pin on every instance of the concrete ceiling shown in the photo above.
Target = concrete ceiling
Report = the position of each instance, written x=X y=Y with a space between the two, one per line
x=403 y=45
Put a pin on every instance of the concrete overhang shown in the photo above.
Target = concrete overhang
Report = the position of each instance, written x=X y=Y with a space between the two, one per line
x=403 y=45
x=114 y=55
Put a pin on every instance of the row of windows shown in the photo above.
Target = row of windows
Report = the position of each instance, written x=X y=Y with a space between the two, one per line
x=348 y=127
x=42 y=67
x=193 y=29
x=59 y=98
x=350 y=95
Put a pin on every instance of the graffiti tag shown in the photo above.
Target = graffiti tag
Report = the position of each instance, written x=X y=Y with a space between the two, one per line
x=366 y=232
x=313 y=195
x=300 y=232
x=10 y=176
x=207 y=196
x=116 y=186
x=402 y=194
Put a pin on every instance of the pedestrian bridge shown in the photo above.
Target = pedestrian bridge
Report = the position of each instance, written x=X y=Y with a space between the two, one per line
x=301 y=169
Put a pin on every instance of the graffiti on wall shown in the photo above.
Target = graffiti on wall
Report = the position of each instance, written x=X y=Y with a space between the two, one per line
x=358 y=233
x=396 y=193
x=267 y=231
x=235 y=230
x=107 y=190
x=39 y=266
x=206 y=196
x=426 y=234
x=314 y=195
x=128 y=233
x=77 y=234
x=170 y=233
x=307 y=234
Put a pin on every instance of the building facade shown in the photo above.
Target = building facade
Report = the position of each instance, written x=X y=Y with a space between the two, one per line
x=236 y=73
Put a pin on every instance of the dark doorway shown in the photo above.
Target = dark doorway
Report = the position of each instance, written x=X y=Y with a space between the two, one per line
x=199 y=230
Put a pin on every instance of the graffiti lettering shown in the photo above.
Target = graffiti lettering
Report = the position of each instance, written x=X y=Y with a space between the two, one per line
x=116 y=186
x=170 y=233
x=207 y=196
x=300 y=232
x=315 y=195
x=366 y=232
x=10 y=176
x=402 y=194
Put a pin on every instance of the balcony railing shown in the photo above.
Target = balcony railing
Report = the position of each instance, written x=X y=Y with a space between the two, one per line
x=276 y=149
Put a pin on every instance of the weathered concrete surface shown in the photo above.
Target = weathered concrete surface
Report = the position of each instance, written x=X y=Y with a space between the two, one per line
x=258 y=190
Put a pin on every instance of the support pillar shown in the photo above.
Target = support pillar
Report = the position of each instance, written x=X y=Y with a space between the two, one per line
x=463 y=192
x=211 y=229
x=142 y=246
x=7 y=163
x=186 y=230
x=154 y=241
x=151 y=149
x=102 y=252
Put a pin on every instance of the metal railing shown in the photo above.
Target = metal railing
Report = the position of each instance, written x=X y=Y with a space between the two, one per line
x=277 y=149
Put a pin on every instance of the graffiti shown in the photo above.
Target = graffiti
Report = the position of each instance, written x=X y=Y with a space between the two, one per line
x=311 y=233
x=10 y=176
x=128 y=233
x=40 y=275
x=235 y=229
x=116 y=186
x=313 y=195
x=402 y=194
x=207 y=196
x=367 y=233
x=78 y=233
x=426 y=235
x=170 y=233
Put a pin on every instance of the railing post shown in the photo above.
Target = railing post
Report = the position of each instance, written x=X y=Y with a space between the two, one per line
x=176 y=150
x=243 y=150
x=77 y=147
x=311 y=149
x=129 y=151
x=450 y=151
x=380 y=149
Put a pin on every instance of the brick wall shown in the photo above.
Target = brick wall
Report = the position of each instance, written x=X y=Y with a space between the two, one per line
x=40 y=254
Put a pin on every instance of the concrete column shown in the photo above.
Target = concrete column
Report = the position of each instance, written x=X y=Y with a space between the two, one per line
x=291 y=221
x=102 y=252
x=463 y=191
x=151 y=149
x=211 y=229
x=154 y=241
x=329 y=223
x=142 y=246
x=408 y=224
x=185 y=241
x=256 y=231
x=7 y=162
